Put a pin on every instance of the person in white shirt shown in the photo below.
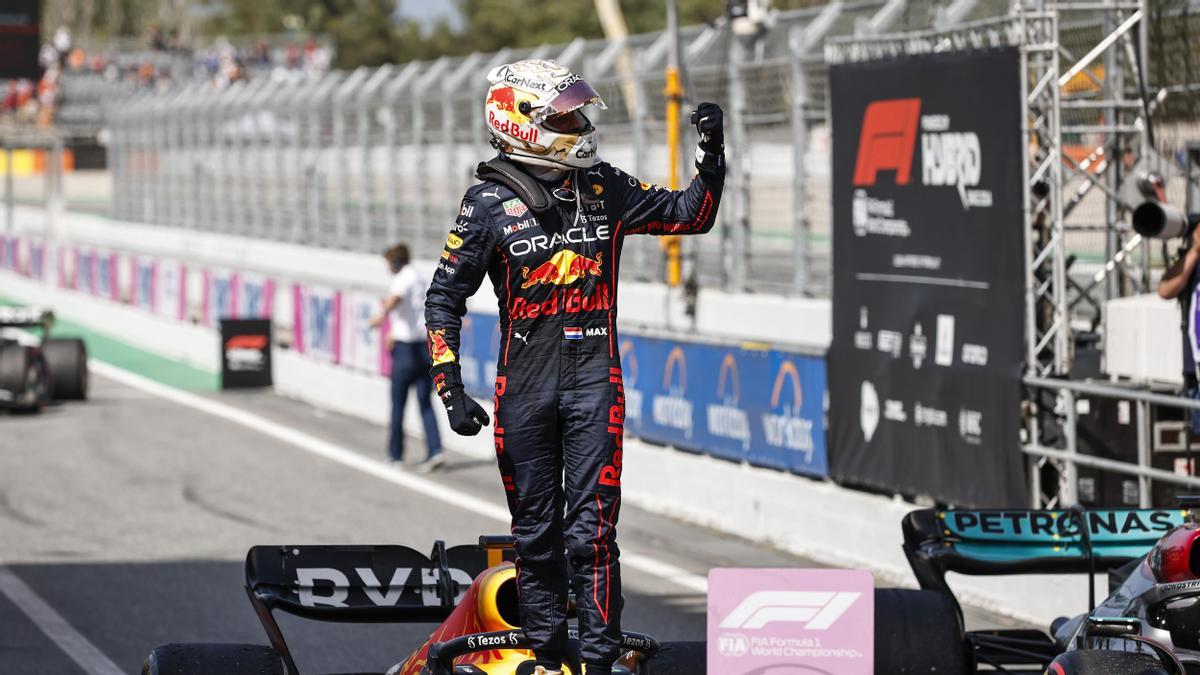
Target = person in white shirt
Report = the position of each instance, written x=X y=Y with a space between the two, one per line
x=404 y=309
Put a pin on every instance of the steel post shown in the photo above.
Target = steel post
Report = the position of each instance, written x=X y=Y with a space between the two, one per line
x=1145 y=495
x=10 y=194
x=800 y=223
x=1069 y=481
x=738 y=154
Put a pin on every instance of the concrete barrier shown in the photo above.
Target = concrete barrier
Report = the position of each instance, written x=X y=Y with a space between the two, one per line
x=799 y=323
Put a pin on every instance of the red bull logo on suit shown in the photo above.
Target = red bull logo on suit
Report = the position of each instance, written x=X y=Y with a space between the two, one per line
x=562 y=269
x=565 y=301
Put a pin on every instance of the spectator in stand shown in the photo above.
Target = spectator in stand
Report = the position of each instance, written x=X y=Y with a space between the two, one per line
x=47 y=97
x=157 y=41
x=11 y=100
x=293 y=57
x=404 y=309
x=262 y=55
x=62 y=44
x=76 y=59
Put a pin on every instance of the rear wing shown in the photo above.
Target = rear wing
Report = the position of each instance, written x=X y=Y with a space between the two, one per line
x=1013 y=541
x=389 y=584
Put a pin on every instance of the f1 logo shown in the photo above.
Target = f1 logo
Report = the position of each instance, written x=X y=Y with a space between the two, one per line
x=889 y=135
x=818 y=610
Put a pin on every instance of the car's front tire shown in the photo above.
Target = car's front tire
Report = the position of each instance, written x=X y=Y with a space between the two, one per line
x=213 y=659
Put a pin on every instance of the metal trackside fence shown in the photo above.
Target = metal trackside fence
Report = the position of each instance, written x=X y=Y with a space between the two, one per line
x=359 y=159
x=33 y=159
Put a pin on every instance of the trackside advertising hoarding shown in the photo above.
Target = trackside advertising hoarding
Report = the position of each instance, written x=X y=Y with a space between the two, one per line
x=316 y=322
x=96 y=271
x=928 y=266
x=245 y=353
x=764 y=406
x=234 y=295
x=739 y=403
x=767 y=621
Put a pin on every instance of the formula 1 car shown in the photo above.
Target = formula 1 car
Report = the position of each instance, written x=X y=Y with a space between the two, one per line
x=1148 y=625
x=32 y=376
x=469 y=591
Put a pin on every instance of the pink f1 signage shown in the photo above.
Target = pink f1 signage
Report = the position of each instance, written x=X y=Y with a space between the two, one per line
x=783 y=621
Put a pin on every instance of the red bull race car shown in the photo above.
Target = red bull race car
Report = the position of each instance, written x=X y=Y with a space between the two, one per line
x=469 y=592
x=34 y=372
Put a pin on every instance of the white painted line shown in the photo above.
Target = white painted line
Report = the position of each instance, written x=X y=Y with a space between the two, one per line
x=373 y=467
x=69 y=640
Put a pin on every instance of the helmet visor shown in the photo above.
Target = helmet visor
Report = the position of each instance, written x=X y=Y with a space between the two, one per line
x=568 y=123
x=576 y=95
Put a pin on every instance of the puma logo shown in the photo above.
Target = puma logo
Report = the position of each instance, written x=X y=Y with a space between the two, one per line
x=523 y=338
x=494 y=193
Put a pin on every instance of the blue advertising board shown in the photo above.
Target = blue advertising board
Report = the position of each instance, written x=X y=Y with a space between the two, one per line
x=763 y=406
x=479 y=345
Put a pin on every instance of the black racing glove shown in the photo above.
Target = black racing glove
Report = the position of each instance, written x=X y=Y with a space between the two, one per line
x=466 y=416
x=710 y=124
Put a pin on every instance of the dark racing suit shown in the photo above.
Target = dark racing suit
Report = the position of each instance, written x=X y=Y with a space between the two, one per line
x=559 y=404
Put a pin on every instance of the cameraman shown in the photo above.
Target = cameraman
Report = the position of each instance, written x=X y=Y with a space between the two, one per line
x=1180 y=281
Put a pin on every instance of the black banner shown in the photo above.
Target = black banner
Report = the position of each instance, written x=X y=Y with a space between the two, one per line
x=20 y=39
x=928 y=267
x=245 y=353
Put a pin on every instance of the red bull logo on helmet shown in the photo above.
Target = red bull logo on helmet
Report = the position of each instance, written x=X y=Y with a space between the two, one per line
x=523 y=132
x=503 y=99
x=562 y=269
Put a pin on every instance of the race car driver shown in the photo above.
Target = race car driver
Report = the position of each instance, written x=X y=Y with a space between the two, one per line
x=546 y=224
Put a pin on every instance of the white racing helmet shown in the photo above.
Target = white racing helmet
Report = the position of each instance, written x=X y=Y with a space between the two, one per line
x=533 y=113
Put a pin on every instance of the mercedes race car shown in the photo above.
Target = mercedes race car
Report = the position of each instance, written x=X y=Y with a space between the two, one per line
x=468 y=591
x=1148 y=625
x=34 y=373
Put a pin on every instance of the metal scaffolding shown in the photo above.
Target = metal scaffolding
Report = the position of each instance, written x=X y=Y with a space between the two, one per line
x=1085 y=116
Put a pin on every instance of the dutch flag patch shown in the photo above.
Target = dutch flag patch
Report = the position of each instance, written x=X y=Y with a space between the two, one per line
x=572 y=333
